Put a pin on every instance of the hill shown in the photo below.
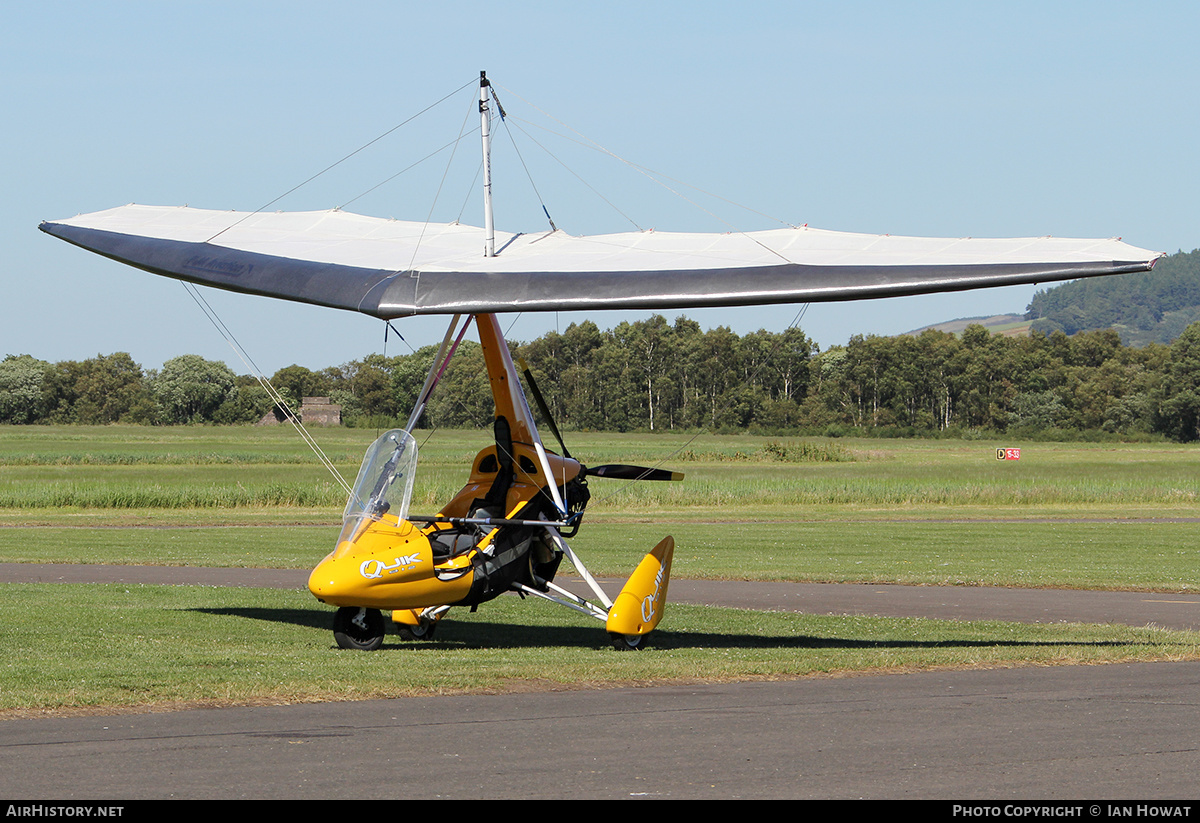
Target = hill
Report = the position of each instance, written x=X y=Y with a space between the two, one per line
x=1149 y=307
x=1008 y=325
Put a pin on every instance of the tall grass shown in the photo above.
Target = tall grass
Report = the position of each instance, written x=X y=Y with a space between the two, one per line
x=212 y=467
x=774 y=451
x=696 y=492
x=159 y=496
x=166 y=459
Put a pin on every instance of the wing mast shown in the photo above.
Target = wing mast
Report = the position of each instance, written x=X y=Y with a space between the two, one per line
x=515 y=400
x=489 y=227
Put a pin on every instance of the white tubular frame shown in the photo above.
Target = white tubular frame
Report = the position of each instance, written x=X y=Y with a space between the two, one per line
x=444 y=353
x=579 y=567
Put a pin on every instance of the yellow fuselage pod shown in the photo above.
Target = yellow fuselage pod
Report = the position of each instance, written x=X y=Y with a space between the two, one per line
x=639 y=606
x=388 y=565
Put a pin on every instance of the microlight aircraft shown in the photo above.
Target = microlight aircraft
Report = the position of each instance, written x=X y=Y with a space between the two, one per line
x=507 y=529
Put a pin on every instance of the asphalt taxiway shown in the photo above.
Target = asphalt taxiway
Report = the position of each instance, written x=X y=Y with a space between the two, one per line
x=1050 y=733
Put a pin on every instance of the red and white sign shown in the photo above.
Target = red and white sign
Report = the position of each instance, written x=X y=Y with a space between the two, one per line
x=1008 y=454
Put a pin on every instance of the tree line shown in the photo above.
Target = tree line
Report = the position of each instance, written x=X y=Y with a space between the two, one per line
x=655 y=375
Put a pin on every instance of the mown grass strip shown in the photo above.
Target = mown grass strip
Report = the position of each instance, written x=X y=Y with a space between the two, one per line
x=165 y=459
x=135 y=647
x=1148 y=555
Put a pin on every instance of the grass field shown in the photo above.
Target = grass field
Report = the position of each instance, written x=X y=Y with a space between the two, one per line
x=930 y=512
x=131 y=647
x=937 y=512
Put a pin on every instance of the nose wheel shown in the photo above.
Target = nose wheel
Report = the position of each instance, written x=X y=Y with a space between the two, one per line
x=358 y=628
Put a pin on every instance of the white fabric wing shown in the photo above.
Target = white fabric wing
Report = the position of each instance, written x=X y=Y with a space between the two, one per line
x=391 y=268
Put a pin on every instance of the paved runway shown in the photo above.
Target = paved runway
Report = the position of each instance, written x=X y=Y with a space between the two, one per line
x=1047 y=733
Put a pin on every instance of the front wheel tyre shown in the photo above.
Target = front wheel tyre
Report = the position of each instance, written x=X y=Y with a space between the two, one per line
x=358 y=628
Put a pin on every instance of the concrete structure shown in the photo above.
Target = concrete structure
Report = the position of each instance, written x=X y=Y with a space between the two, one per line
x=314 y=411
x=319 y=411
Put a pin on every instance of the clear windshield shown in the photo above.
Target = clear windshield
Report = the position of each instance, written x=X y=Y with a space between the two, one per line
x=385 y=482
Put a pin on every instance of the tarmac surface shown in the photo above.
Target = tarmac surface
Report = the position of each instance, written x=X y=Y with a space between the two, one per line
x=1072 y=733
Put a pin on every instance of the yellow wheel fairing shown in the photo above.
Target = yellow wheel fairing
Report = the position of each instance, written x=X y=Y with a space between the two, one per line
x=638 y=609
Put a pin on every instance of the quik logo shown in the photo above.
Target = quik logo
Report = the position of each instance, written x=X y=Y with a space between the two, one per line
x=650 y=602
x=374 y=569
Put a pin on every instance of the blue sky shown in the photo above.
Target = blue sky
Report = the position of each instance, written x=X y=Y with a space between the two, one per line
x=941 y=119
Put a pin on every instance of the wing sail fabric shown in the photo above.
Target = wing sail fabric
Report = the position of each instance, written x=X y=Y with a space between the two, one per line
x=392 y=268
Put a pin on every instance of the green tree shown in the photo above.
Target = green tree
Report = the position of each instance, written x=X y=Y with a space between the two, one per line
x=21 y=380
x=247 y=402
x=301 y=382
x=111 y=388
x=190 y=389
x=1179 y=396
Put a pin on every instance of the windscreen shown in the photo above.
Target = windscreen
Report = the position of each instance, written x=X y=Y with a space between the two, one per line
x=384 y=484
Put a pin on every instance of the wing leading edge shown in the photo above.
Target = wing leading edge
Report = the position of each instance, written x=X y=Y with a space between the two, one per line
x=390 y=268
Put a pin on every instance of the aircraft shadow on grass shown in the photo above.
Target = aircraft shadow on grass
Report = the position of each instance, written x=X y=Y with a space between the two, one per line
x=305 y=618
x=483 y=634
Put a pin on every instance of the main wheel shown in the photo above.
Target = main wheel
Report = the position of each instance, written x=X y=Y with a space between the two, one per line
x=358 y=628
x=421 y=631
x=627 y=642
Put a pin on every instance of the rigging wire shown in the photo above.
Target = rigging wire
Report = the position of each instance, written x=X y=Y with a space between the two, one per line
x=343 y=160
x=578 y=177
x=462 y=132
x=470 y=191
x=271 y=391
x=647 y=171
x=387 y=324
x=652 y=176
x=508 y=131
x=407 y=168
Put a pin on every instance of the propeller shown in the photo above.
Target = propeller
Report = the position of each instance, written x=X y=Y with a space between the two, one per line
x=542 y=406
x=617 y=471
